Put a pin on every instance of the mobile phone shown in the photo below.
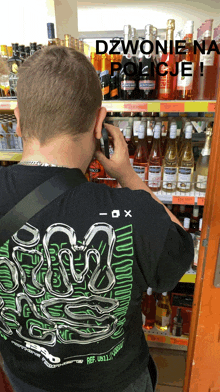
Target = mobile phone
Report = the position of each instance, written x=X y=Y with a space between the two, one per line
x=104 y=142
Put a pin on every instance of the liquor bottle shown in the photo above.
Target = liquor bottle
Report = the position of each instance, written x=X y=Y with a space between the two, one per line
x=150 y=133
x=148 y=309
x=207 y=79
x=202 y=165
x=186 y=163
x=4 y=78
x=177 y=323
x=196 y=241
x=166 y=82
x=181 y=141
x=22 y=53
x=128 y=84
x=147 y=78
x=163 y=312
x=33 y=48
x=155 y=162
x=114 y=81
x=14 y=62
x=130 y=143
x=105 y=78
x=27 y=51
x=96 y=171
x=51 y=34
x=194 y=222
x=112 y=182
x=57 y=41
x=170 y=162
x=185 y=83
x=141 y=155
x=81 y=46
x=182 y=213
x=94 y=61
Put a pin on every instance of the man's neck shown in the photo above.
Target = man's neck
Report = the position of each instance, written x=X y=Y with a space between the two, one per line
x=60 y=152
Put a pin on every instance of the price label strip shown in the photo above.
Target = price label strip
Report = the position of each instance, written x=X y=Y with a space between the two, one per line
x=172 y=107
x=179 y=341
x=156 y=338
x=201 y=201
x=187 y=200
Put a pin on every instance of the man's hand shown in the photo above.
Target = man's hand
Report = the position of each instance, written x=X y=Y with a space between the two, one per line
x=118 y=166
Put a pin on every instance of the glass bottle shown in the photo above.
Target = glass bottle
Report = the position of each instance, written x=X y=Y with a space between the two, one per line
x=114 y=81
x=27 y=51
x=185 y=83
x=155 y=162
x=148 y=309
x=207 y=81
x=202 y=165
x=105 y=78
x=22 y=53
x=186 y=224
x=14 y=62
x=147 y=78
x=163 y=312
x=67 y=39
x=166 y=84
x=141 y=155
x=51 y=34
x=194 y=222
x=131 y=145
x=177 y=323
x=128 y=84
x=170 y=162
x=186 y=163
x=196 y=241
x=33 y=48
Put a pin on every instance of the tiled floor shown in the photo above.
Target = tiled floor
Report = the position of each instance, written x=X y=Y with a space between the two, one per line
x=171 y=366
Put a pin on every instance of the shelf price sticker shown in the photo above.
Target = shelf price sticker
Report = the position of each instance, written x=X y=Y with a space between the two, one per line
x=211 y=106
x=156 y=338
x=179 y=341
x=201 y=201
x=187 y=200
x=196 y=106
x=136 y=106
x=172 y=107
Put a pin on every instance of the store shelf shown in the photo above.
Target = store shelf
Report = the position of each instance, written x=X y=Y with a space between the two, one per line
x=140 y=106
x=156 y=338
x=10 y=156
x=160 y=106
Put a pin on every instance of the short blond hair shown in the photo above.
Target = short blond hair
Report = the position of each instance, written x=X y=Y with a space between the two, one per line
x=58 y=92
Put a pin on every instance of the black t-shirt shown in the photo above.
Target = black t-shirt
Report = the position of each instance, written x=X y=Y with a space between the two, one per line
x=71 y=282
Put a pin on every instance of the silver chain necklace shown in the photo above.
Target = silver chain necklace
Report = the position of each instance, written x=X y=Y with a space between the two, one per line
x=38 y=163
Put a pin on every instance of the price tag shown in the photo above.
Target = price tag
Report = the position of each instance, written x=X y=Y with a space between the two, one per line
x=201 y=201
x=153 y=107
x=211 y=106
x=200 y=106
x=135 y=107
x=179 y=342
x=156 y=338
x=108 y=106
x=13 y=105
x=187 y=200
x=172 y=107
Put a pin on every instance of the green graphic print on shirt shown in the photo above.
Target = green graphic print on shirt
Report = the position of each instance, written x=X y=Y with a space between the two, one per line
x=74 y=294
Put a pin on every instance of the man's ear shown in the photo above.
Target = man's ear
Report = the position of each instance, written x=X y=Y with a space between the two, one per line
x=17 y=115
x=99 y=121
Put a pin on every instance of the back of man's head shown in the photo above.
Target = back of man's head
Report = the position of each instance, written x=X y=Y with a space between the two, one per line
x=58 y=93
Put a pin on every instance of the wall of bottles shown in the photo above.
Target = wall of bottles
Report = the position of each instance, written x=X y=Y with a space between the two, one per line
x=142 y=80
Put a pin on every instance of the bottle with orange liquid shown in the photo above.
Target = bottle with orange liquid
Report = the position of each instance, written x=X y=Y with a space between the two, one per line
x=105 y=77
x=148 y=307
x=163 y=312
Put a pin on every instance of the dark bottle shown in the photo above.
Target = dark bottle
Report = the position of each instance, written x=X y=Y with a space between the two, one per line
x=194 y=223
x=14 y=62
x=178 y=323
x=128 y=84
x=22 y=53
x=27 y=51
x=39 y=47
x=33 y=48
x=51 y=34
x=147 y=77
x=105 y=78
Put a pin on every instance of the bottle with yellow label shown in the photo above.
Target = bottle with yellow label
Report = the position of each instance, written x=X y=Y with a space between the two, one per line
x=105 y=78
x=163 y=313
x=14 y=62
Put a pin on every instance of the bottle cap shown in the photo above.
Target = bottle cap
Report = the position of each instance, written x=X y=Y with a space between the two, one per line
x=171 y=24
x=149 y=291
x=186 y=223
x=200 y=224
x=196 y=211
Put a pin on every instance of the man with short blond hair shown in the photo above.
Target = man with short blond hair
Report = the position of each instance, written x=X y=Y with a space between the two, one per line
x=72 y=278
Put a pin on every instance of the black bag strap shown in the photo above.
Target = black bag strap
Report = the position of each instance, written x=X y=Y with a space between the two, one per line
x=36 y=200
